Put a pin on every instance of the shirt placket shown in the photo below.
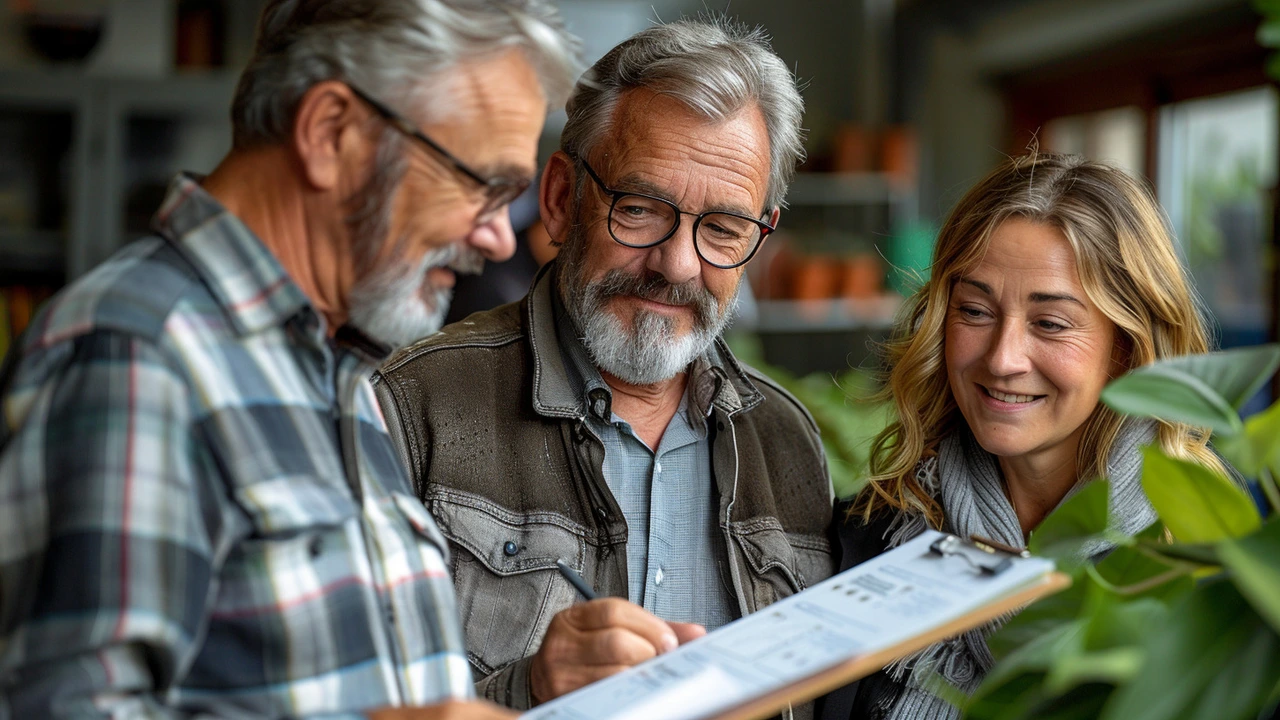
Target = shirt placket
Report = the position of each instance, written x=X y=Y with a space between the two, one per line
x=375 y=530
x=663 y=498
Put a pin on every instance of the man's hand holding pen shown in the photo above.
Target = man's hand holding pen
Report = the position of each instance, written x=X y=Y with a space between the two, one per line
x=596 y=639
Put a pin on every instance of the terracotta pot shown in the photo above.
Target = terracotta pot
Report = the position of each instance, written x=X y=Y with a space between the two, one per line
x=853 y=149
x=898 y=153
x=816 y=278
x=862 y=276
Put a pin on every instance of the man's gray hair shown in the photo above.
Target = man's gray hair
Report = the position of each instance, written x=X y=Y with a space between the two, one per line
x=393 y=49
x=715 y=67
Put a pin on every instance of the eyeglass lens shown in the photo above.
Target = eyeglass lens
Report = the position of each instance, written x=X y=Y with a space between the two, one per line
x=498 y=196
x=722 y=239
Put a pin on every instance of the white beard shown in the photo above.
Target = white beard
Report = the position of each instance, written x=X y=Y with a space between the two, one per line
x=397 y=305
x=650 y=352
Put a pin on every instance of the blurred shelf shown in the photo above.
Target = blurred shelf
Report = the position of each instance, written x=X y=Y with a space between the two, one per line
x=129 y=133
x=41 y=252
x=834 y=315
x=862 y=188
x=191 y=94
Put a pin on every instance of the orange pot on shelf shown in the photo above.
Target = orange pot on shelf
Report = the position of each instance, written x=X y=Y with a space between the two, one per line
x=816 y=278
x=861 y=277
x=899 y=156
x=853 y=149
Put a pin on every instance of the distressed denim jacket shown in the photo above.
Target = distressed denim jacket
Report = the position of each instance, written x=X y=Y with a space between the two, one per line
x=496 y=441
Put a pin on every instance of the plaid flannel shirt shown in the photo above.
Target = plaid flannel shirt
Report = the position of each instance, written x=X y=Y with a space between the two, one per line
x=201 y=512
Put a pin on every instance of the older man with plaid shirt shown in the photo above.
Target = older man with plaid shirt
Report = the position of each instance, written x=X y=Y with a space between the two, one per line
x=201 y=513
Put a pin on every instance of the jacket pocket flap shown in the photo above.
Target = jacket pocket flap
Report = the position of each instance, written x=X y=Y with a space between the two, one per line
x=505 y=542
x=768 y=549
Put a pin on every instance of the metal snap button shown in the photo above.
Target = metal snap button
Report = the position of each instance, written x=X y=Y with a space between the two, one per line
x=510 y=549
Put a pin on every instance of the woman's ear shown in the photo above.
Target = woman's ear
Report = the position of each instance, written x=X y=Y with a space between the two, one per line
x=555 y=197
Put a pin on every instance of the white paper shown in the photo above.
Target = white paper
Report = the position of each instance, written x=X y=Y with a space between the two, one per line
x=879 y=604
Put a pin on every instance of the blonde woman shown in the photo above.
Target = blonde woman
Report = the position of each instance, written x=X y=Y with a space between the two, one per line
x=1051 y=276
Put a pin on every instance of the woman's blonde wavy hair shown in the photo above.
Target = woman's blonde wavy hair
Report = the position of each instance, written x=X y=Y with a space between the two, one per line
x=1129 y=268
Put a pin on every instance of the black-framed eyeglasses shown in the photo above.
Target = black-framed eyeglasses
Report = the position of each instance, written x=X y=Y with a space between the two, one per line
x=722 y=239
x=498 y=191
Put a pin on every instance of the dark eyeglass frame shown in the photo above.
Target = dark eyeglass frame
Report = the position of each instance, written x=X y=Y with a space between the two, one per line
x=615 y=195
x=498 y=191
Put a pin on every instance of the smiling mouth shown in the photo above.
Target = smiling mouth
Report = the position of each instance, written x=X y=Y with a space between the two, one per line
x=1009 y=397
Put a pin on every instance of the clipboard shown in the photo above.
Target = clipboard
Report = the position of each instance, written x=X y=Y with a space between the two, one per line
x=770 y=705
x=931 y=588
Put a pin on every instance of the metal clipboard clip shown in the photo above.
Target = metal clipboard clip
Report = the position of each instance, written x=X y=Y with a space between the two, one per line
x=1000 y=556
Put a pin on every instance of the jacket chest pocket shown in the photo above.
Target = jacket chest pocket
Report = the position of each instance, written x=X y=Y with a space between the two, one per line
x=504 y=572
x=777 y=569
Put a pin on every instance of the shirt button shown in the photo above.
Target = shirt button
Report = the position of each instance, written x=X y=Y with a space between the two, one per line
x=657 y=468
x=510 y=549
x=657 y=578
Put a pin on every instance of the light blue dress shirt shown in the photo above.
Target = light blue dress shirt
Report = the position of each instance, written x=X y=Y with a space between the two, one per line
x=675 y=550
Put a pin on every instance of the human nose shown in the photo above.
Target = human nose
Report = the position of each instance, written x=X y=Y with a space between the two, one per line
x=677 y=258
x=494 y=237
x=1008 y=355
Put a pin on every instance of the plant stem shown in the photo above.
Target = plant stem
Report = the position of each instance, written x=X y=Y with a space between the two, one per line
x=1269 y=489
x=1141 y=587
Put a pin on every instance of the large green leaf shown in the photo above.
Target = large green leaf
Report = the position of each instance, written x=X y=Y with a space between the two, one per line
x=1254 y=562
x=1080 y=519
x=1197 y=505
x=1269 y=33
x=1025 y=699
x=1134 y=570
x=1213 y=659
x=1205 y=554
x=1257 y=447
x=1016 y=684
x=1013 y=699
x=1041 y=618
x=1203 y=390
x=1110 y=649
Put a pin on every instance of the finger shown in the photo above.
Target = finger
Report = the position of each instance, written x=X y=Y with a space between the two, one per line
x=616 y=646
x=687 y=631
x=617 y=613
x=596 y=673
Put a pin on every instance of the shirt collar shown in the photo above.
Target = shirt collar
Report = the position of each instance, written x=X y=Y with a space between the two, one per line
x=241 y=273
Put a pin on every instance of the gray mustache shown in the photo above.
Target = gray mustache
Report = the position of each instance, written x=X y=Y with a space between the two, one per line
x=656 y=288
x=462 y=259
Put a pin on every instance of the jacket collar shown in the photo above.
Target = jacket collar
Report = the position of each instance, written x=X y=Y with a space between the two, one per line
x=719 y=380
x=241 y=273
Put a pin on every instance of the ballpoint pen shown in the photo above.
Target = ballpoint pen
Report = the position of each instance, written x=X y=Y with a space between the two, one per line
x=576 y=580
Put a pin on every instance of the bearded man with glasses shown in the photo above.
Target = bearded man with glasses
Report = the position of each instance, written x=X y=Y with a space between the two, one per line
x=201 y=512
x=601 y=420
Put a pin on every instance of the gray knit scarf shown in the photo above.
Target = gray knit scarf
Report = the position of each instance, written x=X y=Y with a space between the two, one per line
x=968 y=483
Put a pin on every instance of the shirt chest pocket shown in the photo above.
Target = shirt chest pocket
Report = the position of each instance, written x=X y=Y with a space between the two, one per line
x=281 y=507
x=504 y=572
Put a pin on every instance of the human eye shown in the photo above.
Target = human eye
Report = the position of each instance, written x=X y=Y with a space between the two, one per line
x=637 y=210
x=632 y=209
x=971 y=312
x=1050 y=326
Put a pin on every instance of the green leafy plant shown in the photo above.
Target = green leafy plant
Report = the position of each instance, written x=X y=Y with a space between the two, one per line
x=841 y=406
x=1183 y=619
x=847 y=418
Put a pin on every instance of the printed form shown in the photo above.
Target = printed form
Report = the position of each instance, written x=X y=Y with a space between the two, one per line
x=875 y=606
